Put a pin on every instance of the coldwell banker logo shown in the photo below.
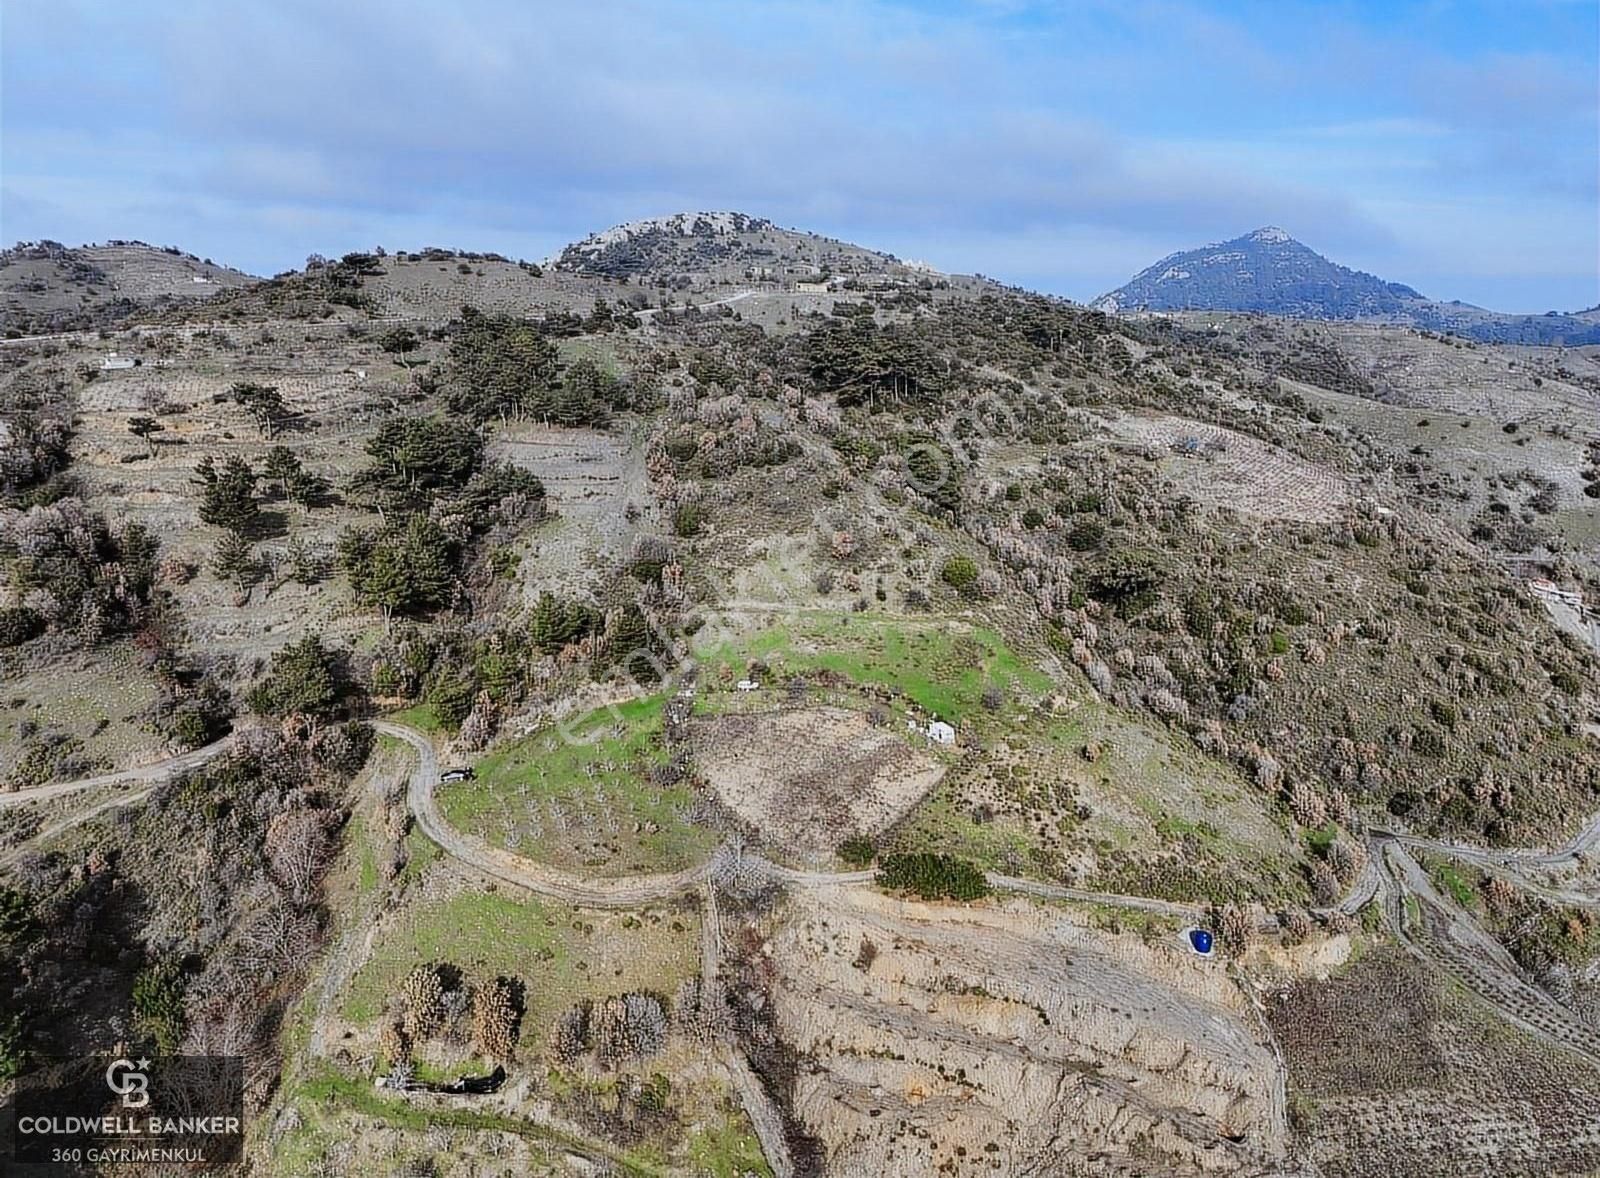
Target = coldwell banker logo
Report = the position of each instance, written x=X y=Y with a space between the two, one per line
x=130 y=1084
x=176 y=1111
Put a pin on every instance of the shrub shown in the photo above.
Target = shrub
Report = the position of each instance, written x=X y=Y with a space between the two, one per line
x=857 y=851
x=13 y=1046
x=933 y=876
x=158 y=1004
x=1566 y=682
x=689 y=519
x=19 y=923
x=1237 y=928
x=959 y=572
x=1085 y=533
x=18 y=624
x=422 y=1002
x=628 y=1026
x=1127 y=579
x=496 y=1016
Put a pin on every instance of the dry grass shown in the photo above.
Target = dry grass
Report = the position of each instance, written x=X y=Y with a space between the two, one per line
x=808 y=779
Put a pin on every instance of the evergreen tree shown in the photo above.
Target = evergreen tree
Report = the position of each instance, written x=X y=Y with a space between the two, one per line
x=407 y=569
x=304 y=678
x=400 y=343
x=556 y=622
x=415 y=459
x=502 y=367
x=227 y=495
x=233 y=560
x=307 y=489
x=146 y=428
x=263 y=402
x=280 y=468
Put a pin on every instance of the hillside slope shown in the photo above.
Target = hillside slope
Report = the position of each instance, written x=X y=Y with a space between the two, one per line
x=46 y=286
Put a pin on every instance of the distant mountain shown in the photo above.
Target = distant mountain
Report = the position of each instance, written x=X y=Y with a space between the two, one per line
x=1270 y=273
x=46 y=286
x=725 y=246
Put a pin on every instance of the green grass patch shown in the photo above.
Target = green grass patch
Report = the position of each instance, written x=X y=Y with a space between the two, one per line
x=421 y=854
x=1461 y=889
x=330 y=1089
x=419 y=716
x=561 y=954
x=942 y=670
x=1319 y=840
x=588 y=806
x=941 y=824
x=726 y=1149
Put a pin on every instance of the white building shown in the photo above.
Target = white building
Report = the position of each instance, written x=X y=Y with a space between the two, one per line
x=937 y=731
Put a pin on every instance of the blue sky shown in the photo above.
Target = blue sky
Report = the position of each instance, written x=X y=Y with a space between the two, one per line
x=1063 y=146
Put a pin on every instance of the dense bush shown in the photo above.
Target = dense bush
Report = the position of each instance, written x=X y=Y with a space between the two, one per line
x=70 y=569
x=18 y=624
x=305 y=678
x=959 y=572
x=857 y=851
x=158 y=1004
x=688 y=519
x=933 y=876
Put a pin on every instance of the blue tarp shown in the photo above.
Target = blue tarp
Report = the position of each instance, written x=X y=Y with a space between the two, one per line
x=1200 y=940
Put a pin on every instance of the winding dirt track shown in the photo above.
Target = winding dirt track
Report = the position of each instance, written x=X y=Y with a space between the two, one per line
x=1445 y=935
x=586 y=891
x=1513 y=864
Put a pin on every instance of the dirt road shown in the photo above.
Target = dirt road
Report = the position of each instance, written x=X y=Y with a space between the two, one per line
x=586 y=891
x=159 y=771
x=1448 y=937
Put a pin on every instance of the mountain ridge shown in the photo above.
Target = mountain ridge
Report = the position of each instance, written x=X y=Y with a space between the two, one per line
x=1269 y=272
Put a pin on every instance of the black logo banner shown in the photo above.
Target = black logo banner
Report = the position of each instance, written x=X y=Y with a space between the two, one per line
x=173 y=1111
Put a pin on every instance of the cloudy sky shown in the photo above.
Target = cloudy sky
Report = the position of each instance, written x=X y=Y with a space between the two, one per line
x=1062 y=145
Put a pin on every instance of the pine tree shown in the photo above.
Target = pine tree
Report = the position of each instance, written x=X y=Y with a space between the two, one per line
x=407 y=569
x=263 y=402
x=233 y=560
x=146 y=428
x=281 y=467
x=228 y=495
x=302 y=679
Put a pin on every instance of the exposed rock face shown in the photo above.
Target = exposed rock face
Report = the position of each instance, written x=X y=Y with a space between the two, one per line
x=1009 y=1040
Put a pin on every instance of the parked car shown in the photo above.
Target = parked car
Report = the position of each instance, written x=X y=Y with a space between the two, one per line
x=457 y=775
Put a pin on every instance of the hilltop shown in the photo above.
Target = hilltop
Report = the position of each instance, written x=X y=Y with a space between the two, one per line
x=48 y=286
x=1268 y=272
x=724 y=245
